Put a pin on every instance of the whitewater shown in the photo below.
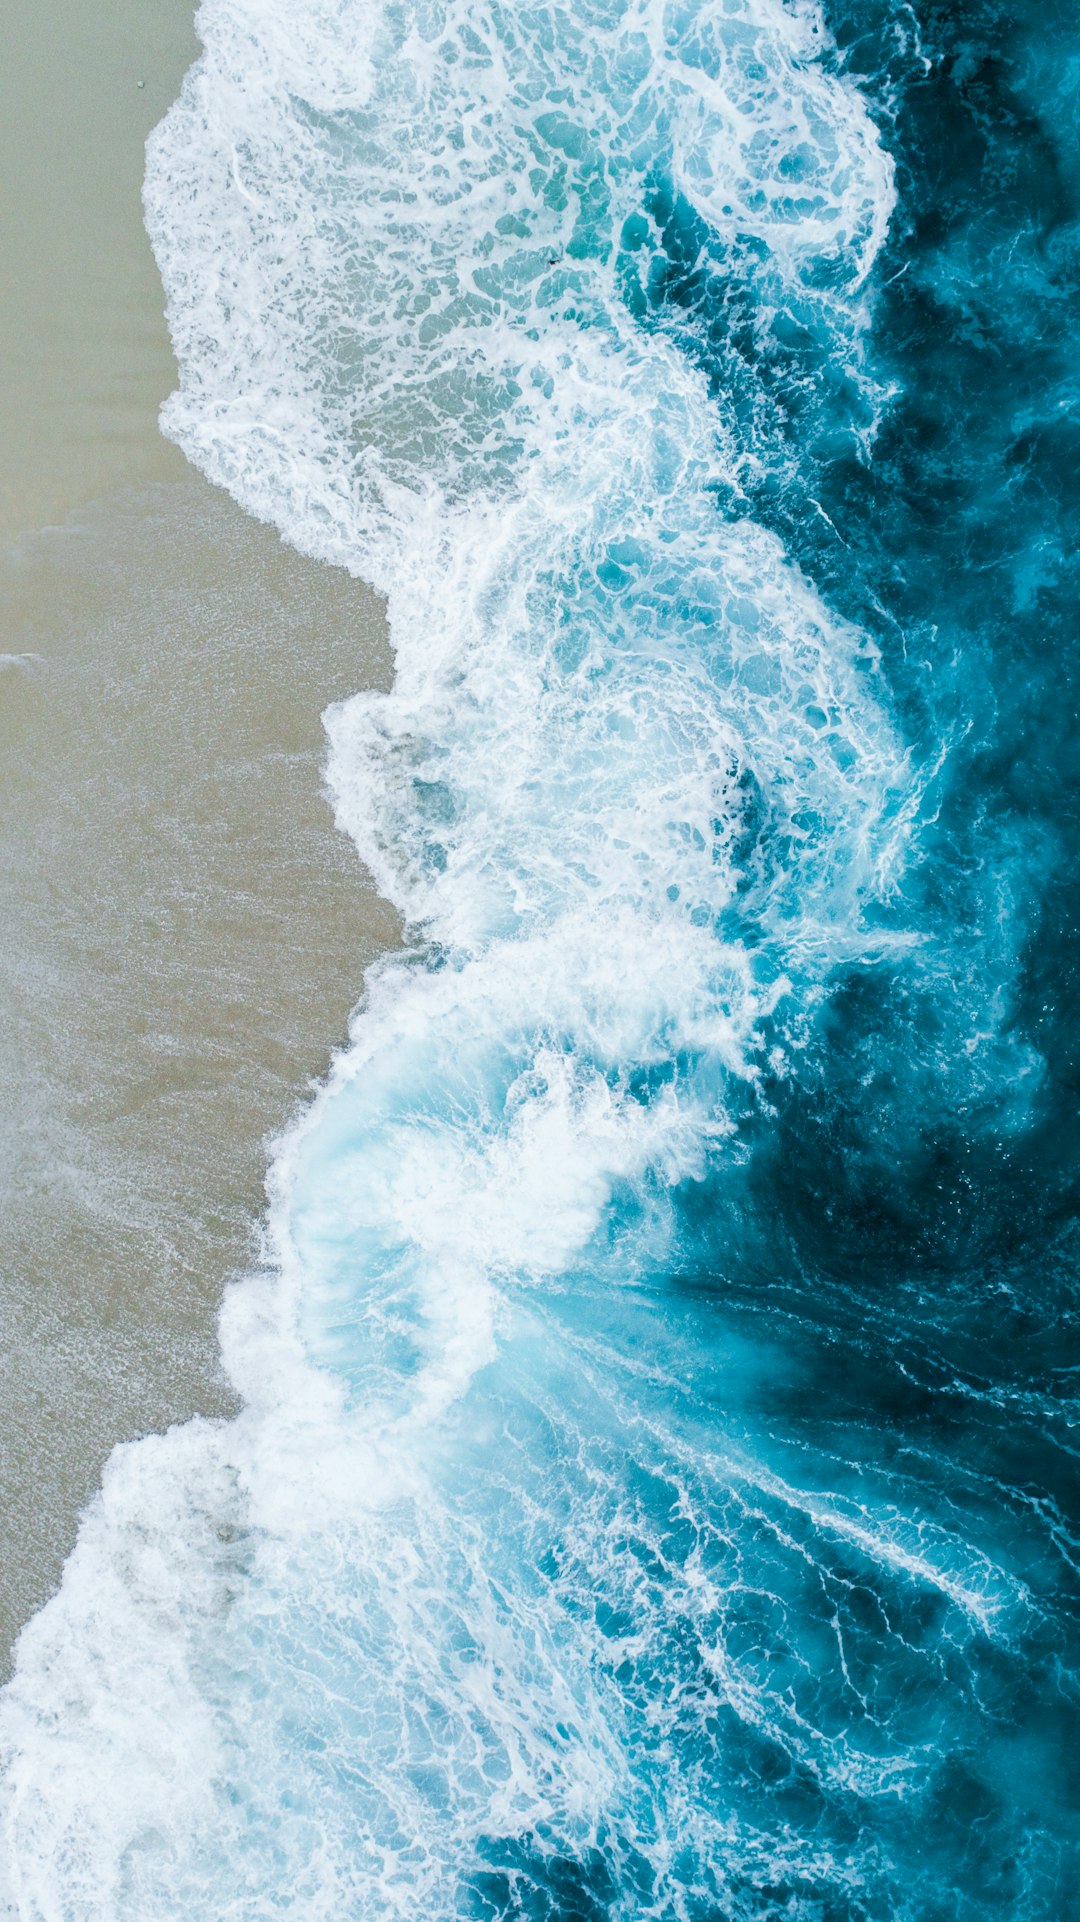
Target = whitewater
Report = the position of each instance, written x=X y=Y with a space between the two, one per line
x=502 y=1597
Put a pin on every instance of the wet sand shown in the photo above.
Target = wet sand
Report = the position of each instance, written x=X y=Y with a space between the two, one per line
x=183 y=931
x=86 y=359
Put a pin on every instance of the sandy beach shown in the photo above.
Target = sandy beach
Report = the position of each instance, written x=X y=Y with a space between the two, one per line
x=184 y=931
x=86 y=360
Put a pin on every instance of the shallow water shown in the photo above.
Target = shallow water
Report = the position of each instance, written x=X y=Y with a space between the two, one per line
x=86 y=360
x=182 y=938
x=655 y=1491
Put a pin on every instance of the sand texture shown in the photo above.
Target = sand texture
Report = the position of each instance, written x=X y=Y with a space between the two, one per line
x=183 y=931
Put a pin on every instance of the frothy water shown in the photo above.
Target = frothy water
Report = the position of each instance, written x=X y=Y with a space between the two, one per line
x=182 y=931
x=546 y=1572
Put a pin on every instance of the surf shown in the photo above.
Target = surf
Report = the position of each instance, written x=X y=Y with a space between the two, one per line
x=497 y=1599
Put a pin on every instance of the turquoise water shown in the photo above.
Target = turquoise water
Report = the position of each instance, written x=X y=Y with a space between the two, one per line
x=655 y=1494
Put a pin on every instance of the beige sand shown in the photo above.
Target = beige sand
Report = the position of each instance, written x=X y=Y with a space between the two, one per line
x=182 y=931
x=85 y=359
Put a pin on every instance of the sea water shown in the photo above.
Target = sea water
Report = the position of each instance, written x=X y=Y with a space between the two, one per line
x=654 y=1494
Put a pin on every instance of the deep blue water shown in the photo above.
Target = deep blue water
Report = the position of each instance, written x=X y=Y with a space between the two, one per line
x=657 y=1492
x=921 y=1321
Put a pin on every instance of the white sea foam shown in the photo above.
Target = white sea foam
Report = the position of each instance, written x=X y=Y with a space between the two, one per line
x=320 y=1661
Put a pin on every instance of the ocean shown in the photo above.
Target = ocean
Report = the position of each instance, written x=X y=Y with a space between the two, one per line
x=654 y=1493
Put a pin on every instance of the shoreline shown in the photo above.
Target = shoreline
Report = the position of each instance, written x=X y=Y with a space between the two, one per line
x=186 y=931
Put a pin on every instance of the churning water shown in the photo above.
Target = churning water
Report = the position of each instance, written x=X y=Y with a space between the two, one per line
x=654 y=1495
